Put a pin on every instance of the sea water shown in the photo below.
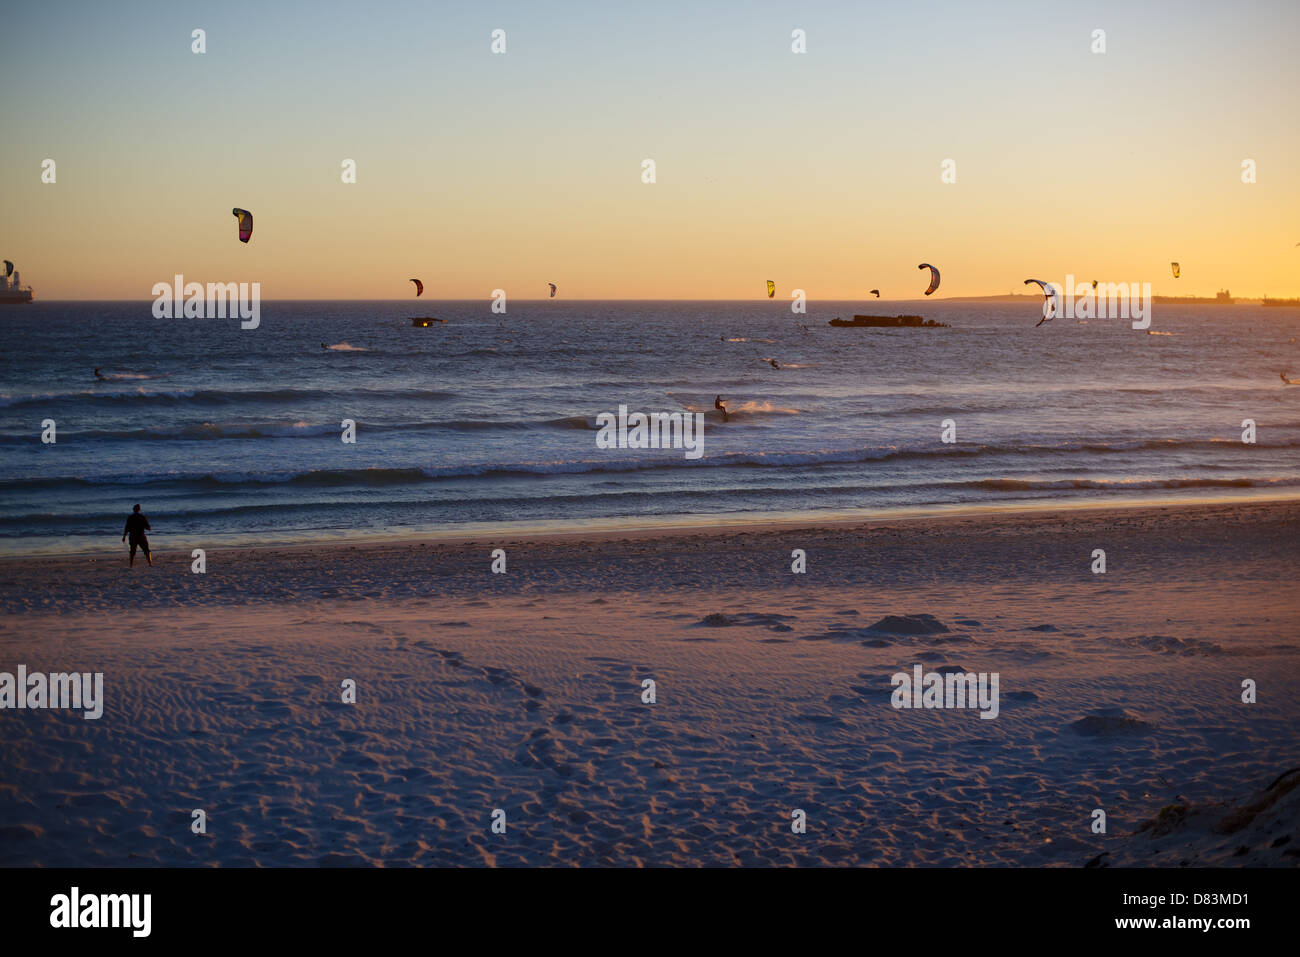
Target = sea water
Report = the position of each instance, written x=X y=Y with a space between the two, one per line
x=488 y=422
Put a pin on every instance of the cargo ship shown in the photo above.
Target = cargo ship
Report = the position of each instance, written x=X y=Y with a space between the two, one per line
x=890 y=322
x=12 y=291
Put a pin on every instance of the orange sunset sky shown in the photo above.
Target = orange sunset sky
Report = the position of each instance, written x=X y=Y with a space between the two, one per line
x=819 y=170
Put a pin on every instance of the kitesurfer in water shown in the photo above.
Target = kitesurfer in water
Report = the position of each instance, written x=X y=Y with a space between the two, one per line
x=721 y=406
x=100 y=376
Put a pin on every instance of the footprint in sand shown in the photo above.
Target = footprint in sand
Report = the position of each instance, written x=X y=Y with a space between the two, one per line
x=716 y=620
x=774 y=622
x=909 y=625
x=1013 y=698
x=1106 y=722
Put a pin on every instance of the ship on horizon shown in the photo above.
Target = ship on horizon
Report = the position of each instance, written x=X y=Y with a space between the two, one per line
x=889 y=322
x=12 y=291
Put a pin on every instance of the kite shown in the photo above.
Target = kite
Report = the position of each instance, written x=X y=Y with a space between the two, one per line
x=1175 y=267
x=876 y=293
x=934 y=277
x=771 y=289
x=1049 y=300
x=245 y=223
x=552 y=285
x=419 y=287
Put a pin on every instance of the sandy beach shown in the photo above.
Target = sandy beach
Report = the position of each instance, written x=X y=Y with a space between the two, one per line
x=523 y=692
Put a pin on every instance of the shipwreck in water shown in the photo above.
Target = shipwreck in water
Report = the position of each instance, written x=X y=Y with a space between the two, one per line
x=890 y=322
x=13 y=293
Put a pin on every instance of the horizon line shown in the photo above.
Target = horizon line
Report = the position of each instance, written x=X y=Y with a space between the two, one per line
x=1015 y=295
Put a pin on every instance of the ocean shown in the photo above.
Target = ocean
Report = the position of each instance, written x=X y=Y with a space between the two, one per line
x=487 y=423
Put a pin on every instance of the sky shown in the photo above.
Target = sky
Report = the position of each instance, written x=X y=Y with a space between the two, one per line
x=819 y=170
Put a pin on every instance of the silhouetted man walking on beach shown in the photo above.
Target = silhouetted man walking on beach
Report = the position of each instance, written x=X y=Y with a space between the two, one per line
x=136 y=525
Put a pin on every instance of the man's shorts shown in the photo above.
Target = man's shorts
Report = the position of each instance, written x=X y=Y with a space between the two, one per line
x=140 y=542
